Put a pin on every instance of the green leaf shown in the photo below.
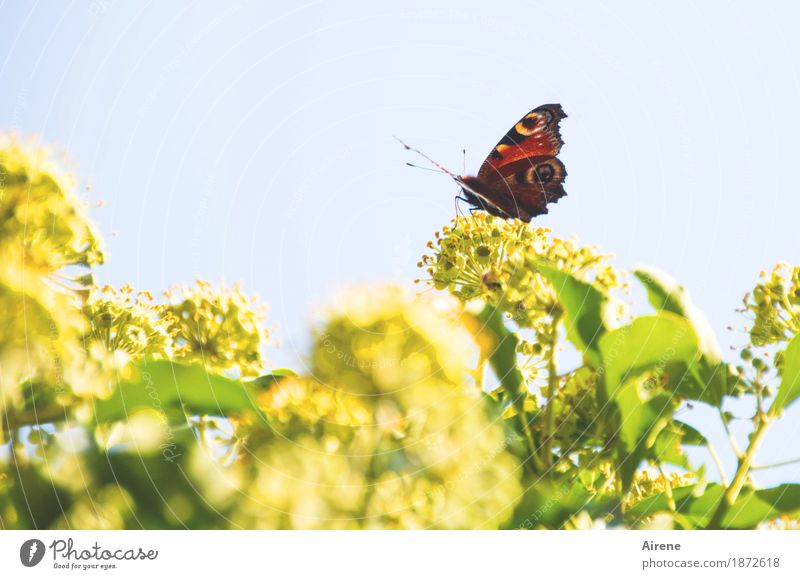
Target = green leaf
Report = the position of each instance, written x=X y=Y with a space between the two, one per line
x=176 y=388
x=661 y=343
x=283 y=372
x=789 y=389
x=708 y=382
x=648 y=343
x=266 y=381
x=550 y=503
x=710 y=378
x=670 y=441
x=697 y=504
x=586 y=315
x=500 y=349
x=785 y=498
x=666 y=294
x=689 y=434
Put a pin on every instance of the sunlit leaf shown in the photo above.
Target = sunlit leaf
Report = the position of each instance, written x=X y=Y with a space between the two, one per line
x=669 y=443
x=171 y=387
x=697 y=504
x=710 y=378
x=789 y=389
x=500 y=347
x=666 y=294
x=664 y=343
x=586 y=315
x=785 y=498
x=266 y=381
x=550 y=503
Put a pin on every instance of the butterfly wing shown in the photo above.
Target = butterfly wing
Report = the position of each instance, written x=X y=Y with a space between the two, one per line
x=522 y=174
x=534 y=135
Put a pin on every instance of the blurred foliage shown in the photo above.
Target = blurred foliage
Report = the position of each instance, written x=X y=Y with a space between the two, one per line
x=46 y=242
x=386 y=432
x=518 y=393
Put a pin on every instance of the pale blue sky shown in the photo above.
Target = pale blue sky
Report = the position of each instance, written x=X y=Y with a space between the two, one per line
x=252 y=141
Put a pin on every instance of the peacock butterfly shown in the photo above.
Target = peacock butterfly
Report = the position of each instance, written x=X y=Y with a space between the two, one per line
x=522 y=174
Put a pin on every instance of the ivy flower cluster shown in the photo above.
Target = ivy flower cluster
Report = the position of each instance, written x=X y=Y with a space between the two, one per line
x=304 y=403
x=131 y=322
x=775 y=304
x=63 y=333
x=41 y=219
x=44 y=235
x=397 y=435
x=220 y=327
x=495 y=259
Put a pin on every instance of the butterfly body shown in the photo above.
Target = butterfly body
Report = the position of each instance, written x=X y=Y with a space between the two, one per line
x=522 y=174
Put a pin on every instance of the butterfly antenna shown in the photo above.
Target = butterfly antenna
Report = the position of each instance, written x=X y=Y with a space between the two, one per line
x=427 y=158
x=424 y=168
x=464 y=152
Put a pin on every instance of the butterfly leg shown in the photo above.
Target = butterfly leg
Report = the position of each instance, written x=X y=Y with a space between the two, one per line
x=456 y=199
x=471 y=210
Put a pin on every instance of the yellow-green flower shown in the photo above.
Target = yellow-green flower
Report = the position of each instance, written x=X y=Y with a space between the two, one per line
x=111 y=507
x=775 y=303
x=131 y=322
x=646 y=484
x=302 y=484
x=43 y=231
x=576 y=410
x=40 y=216
x=222 y=328
x=496 y=259
x=305 y=403
x=397 y=434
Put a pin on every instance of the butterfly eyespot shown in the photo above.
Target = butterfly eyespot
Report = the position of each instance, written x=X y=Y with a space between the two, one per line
x=528 y=126
x=543 y=173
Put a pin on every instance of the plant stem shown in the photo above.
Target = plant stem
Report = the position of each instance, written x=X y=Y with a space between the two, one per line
x=745 y=462
x=36 y=417
x=552 y=387
x=728 y=432
x=718 y=462
x=775 y=464
x=525 y=426
x=668 y=490
x=480 y=371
